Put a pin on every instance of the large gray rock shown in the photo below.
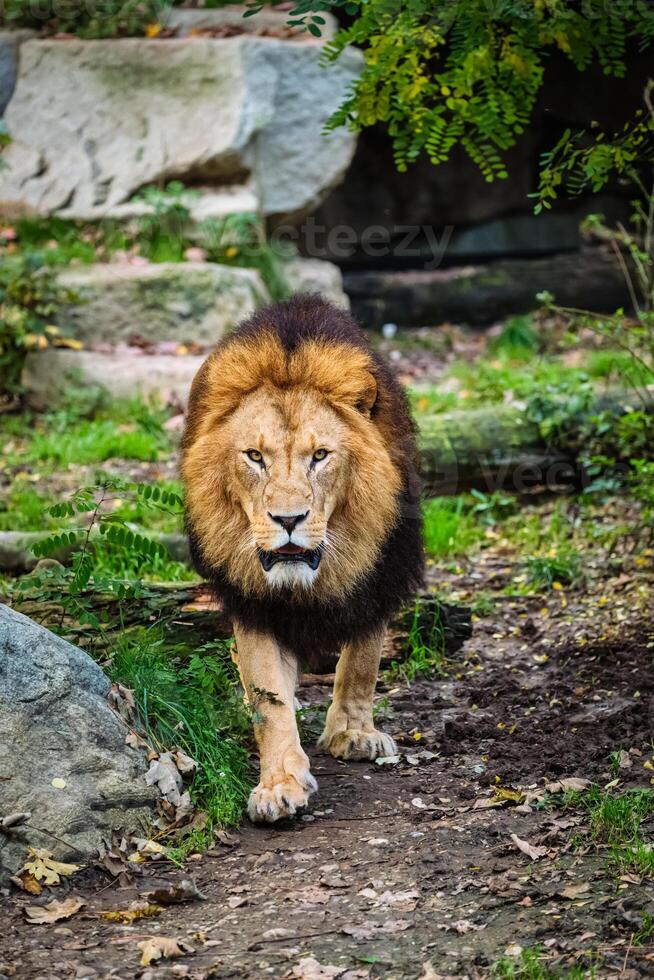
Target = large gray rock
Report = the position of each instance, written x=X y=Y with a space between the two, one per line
x=48 y=375
x=56 y=724
x=94 y=121
x=189 y=301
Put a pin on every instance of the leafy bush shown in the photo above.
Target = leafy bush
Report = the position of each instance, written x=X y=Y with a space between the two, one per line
x=91 y=19
x=240 y=239
x=585 y=161
x=469 y=72
x=90 y=569
x=164 y=230
x=165 y=233
x=29 y=297
x=518 y=338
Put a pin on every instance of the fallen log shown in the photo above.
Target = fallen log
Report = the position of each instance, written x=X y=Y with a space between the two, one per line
x=483 y=293
x=502 y=447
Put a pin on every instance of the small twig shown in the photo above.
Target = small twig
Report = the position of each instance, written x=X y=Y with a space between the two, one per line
x=367 y=816
x=626 y=275
x=626 y=955
x=291 y=939
x=48 y=833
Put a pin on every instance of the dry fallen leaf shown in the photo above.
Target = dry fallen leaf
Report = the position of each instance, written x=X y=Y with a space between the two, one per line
x=184 y=762
x=575 y=890
x=462 y=926
x=162 y=947
x=429 y=973
x=310 y=969
x=43 y=867
x=27 y=882
x=402 y=901
x=54 y=910
x=146 y=849
x=506 y=795
x=14 y=820
x=533 y=851
x=572 y=782
x=372 y=929
x=181 y=891
x=235 y=901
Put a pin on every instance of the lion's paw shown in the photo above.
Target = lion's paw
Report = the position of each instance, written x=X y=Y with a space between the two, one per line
x=355 y=744
x=271 y=801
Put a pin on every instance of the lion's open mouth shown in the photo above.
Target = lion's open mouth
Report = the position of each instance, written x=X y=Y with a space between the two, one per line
x=290 y=553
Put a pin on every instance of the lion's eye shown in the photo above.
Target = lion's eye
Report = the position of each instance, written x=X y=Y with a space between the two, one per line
x=254 y=455
x=319 y=455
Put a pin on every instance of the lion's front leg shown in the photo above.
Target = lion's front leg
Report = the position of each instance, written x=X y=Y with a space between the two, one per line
x=350 y=732
x=269 y=680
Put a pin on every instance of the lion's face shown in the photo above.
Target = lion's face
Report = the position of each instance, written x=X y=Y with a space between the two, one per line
x=289 y=483
x=290 y=462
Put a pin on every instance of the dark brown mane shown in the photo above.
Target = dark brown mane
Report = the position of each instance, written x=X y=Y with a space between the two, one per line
x=309 y=626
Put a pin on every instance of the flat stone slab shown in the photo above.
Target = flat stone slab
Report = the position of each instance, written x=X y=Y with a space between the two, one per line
x=185 y=302
x=182 y=301
x=48 y=375
x=63 y=755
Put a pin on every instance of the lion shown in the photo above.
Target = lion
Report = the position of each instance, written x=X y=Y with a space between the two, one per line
x=302 y=506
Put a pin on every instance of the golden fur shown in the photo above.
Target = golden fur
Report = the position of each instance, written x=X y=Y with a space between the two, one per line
x=252 y=391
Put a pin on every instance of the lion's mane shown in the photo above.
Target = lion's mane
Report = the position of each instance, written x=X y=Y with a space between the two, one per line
x=306 y=341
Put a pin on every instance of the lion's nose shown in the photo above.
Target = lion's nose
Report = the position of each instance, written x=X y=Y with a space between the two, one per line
x=288 y=521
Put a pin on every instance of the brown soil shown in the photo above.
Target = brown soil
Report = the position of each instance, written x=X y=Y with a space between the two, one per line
x=397 y=867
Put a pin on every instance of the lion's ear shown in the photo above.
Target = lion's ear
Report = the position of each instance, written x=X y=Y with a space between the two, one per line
x=368 y=395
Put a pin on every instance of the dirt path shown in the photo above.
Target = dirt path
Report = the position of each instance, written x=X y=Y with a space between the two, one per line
x=401 y=866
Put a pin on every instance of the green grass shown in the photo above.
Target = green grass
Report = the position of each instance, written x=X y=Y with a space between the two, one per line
x=545 y=571
x=531 y=965
x=517 y=370
x=425 y=644
x=22 y=508
x=616 y=821
x=117 y=562
x=125 y=430
x=488 y=381
x=618 y=367
x=191 y=700
x=93 y=441
x=60 y=241
x=450 y=527
x=645 y=934
x=431 y=401
x=518 y=339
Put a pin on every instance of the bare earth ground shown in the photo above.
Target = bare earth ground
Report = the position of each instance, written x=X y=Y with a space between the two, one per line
x=402 y=871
